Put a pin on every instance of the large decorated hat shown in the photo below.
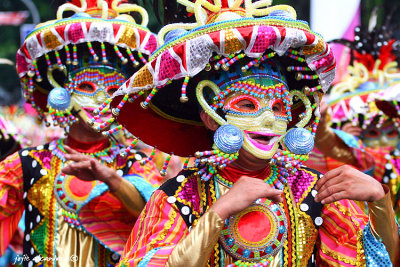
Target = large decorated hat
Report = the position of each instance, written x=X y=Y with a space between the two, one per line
x=97 y=35
x=361 y=98
x=229 y=37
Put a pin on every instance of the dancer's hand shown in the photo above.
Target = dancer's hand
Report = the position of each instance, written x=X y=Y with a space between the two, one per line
x=346 y=182
x=87 y=168
x=351 y=129
x=243 y=194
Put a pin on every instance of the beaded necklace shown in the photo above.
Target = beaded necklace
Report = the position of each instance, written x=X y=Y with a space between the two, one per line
x=273 y=179
x=65 y=195
x=106 y=155
x=262 y=263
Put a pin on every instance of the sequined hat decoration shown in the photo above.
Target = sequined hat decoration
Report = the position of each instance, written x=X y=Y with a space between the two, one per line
x=98 y=32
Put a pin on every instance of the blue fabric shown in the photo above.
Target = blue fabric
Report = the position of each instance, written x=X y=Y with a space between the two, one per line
x=147 y=258
x=348 y=139
x=375 y=251
x=145 y=188
x=10 y=257
x=21 y=224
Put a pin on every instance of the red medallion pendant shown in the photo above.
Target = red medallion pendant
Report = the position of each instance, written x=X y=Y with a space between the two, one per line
x=256 y=233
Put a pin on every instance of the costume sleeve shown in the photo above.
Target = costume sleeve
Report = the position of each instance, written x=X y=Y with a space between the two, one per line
x=161 y=237
x=383 y=225
x=346 y=238
x=133 y=192
x=195 y=248
x=11 y=198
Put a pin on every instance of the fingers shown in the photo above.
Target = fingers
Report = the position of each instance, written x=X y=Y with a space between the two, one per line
x=77 y=157
x=327 y=176
x=334 y=197
x=276 y=198
x=70 y=150
x=354 y=130
x=271 y=193
x=331 y=193
x=76 y=168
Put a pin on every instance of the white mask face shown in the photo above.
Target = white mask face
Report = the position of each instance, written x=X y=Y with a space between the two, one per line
x=263 y=122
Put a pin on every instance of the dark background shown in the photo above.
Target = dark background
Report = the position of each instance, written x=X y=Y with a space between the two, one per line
x=10 y=35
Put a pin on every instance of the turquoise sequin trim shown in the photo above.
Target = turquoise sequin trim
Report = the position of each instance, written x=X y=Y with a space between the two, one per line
x=145 y=188
x=375 y=250
x=147 y=258
x=348 y=139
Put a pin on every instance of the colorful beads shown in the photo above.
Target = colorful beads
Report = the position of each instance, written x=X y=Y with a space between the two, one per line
x=310 y=90
x=257 y=61
x=91 y=50
x=184 y=97
x=123 y=59
x=36 y=70
x=293 y=54
x=68 y=55
x=299 y=76
x=121 y=104
x=129 y=148
x=186 y=163
x=142 y=58
x=224 y=60
x=113 y=130
x=163 y=172
x=232 y=61
x=104 y=124
x=48 y=61
x=75 y=55
x=103 y=53
x=132 y=58
x=251 y=88
x=213 y=158
x=298 y=68
x=59 y=63
x=146 y=102
x=150 y=158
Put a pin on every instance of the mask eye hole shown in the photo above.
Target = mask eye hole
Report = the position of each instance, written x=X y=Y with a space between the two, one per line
x=277 y=107
x=373 y=133
x=86 y=87
x=245 y=105
x=111 y=90
x=393 y=133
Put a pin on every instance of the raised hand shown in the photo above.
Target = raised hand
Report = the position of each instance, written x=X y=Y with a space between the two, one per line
x=87 y=168
x=346 y=182
x=243 y=194
x=351 y=129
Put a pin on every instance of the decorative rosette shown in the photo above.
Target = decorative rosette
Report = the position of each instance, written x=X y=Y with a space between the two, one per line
x=98 y=34
x=161 y=97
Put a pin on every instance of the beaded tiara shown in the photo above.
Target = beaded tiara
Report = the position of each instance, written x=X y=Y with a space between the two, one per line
x=227 y=33
x=97 y=32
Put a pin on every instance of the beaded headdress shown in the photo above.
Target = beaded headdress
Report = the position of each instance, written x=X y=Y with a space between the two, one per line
x=228 y=37
x=361 y=97
x=98 y=35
